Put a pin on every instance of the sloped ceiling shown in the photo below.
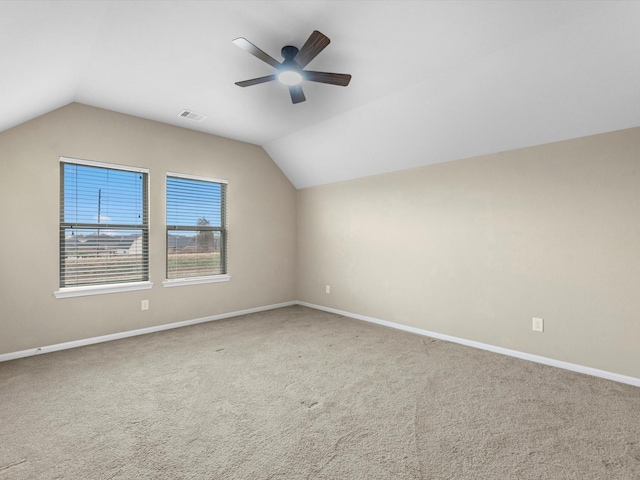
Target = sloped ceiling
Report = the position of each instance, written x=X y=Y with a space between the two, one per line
x=433 y=81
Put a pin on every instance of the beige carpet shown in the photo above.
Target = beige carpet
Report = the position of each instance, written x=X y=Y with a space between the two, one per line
x=297 y=393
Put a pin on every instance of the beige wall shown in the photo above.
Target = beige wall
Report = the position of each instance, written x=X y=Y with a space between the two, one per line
x=476 y=248
x=262 y=206
x=472 y=248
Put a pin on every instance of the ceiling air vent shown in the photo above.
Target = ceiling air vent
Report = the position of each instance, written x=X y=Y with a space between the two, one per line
x=196 y=117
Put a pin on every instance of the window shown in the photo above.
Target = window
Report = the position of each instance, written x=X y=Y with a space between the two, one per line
x=104 y=227
x=196 y=230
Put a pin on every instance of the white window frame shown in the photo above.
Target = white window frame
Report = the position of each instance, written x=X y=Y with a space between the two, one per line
x=178 y=282
x=66 y=292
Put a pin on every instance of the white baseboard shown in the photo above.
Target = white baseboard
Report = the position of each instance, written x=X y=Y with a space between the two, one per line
x=483 y=346
x=132 y=333
x=470 y=343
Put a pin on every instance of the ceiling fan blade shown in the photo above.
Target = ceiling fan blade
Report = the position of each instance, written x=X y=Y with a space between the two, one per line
x=245 y=44
x=312 y=47
x=297 y=95
x=341 y=79
x=256 y=81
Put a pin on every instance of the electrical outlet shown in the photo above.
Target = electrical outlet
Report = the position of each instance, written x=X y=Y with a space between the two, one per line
x=144 y=305
x=538 y=324
x=327 y=289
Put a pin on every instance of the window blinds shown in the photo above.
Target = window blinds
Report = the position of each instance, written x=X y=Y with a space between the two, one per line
x=104 y=231
x=196 y=227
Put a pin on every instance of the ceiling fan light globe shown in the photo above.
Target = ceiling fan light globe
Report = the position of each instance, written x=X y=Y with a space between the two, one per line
x=290 y=78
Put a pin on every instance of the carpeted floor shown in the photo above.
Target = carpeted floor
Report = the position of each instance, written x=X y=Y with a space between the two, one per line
x=296 y=393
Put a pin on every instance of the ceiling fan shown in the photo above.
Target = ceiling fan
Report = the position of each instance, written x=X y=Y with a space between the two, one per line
x=291 y=71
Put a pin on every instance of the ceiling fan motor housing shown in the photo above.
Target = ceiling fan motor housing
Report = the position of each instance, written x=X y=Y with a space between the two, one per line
x=289 y=52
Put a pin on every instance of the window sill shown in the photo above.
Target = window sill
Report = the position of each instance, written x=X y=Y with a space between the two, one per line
x=101 y=289
x=179 y=282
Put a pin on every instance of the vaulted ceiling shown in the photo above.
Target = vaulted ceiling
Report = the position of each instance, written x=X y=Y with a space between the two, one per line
x=433 y=81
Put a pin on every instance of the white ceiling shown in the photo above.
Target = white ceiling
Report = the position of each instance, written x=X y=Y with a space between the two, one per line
x=432 y=80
